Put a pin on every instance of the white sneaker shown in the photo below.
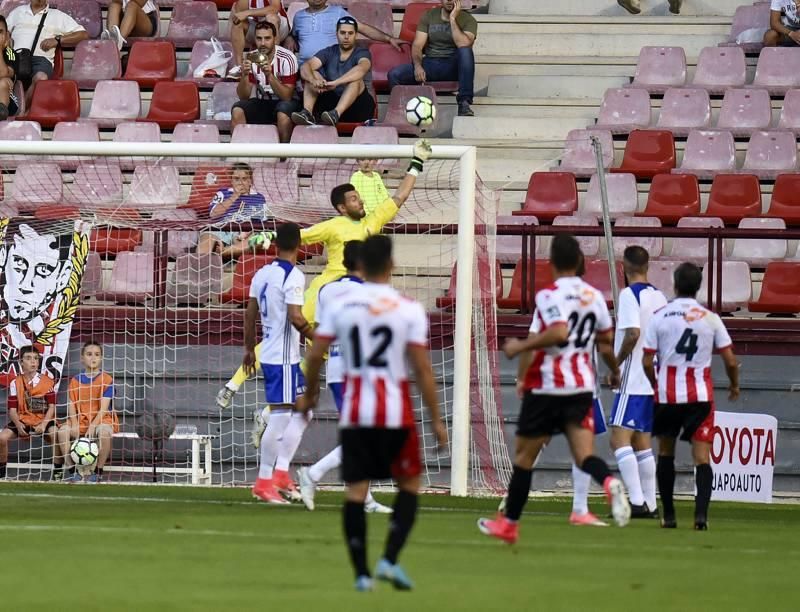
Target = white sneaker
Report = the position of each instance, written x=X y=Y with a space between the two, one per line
x=117 y=36
x=375 y=507
x=307 y=487
x=259 y=425
x=105 y=34
x=620 y=507
x=225 y=397
x=234 y=74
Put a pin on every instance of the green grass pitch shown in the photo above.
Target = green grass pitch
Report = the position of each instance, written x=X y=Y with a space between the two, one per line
x=110 y=547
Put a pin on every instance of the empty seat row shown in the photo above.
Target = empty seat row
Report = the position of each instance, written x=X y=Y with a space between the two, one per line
x=671 y=197
x=743 y=111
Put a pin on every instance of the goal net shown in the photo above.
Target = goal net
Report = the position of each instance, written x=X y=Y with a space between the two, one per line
x=121 y=250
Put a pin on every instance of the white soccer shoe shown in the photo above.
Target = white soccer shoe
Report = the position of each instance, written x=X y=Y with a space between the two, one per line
x=307 y=487
x=259 y=425
x=375 y=507
x=618 y=499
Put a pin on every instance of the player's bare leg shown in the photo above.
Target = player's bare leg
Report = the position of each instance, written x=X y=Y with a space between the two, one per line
x=665 y=473
x=405 y=513
x=355 y=529
x=581 y=443
x=701 y=453
x=505 y=527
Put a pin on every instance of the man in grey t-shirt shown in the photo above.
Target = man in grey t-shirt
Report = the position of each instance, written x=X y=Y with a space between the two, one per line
x=337 y=81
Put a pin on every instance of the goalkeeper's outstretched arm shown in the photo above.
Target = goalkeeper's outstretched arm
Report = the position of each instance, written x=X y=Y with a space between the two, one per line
x=422 y=152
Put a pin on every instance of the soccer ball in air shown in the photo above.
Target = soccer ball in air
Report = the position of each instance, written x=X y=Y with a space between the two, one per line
x=84 y=452
x=420 y=111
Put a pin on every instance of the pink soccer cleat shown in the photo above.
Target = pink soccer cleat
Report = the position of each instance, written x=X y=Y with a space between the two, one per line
x=284 y=483
x=618 y=500
x=586 y=519
x=265 y=490
x=500 y=528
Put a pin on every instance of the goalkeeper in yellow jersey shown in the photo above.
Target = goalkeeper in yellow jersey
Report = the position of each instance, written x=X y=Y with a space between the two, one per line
x=352 y=223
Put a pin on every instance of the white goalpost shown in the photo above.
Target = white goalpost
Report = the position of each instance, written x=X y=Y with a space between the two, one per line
x=168 y=352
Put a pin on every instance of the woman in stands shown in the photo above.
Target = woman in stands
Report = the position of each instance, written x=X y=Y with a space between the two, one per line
x=131 y=18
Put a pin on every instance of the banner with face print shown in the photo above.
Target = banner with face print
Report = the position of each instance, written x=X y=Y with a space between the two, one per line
x=41 y=267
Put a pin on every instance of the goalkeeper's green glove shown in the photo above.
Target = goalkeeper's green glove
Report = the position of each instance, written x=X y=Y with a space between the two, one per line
x=422 y=153
x=261 y=240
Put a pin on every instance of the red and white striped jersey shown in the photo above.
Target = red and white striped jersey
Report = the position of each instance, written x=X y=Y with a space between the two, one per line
x=684 y=334
x=373 y=325
x=567 y=369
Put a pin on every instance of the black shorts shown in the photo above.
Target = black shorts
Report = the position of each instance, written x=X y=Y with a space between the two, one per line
x=372 y=453
x=11 y=426
x=695 y=419
x=265 y=112
x=154 y=18
x=362 y=109
x=545 y=415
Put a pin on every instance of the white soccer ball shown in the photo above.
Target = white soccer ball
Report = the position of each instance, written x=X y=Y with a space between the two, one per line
x=84 y=452
x=420 y=111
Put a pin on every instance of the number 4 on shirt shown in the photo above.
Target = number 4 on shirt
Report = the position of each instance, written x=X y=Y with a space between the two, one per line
x=687 y=344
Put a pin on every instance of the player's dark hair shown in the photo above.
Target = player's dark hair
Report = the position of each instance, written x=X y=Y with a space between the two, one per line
x=688 y=278
x=635 y=259
x=241 y=166
x=347 y=20
x=377 y=255
x=266 y=25
x=287 y=237
x=353 y=254
x=89 y=343
x=29 y=349
x=565 y=253
x=338 y=194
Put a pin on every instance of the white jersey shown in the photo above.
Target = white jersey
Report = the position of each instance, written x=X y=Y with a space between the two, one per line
x=375 y=325
x=637 y=303
x=274 y=287
x=328 y=296
x=567 y=370
x=684 y=334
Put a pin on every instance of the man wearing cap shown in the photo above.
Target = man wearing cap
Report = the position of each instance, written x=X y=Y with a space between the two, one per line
x=338 y=81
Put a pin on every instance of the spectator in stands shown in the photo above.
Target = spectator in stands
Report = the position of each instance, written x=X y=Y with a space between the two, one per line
x=31 y=409
x=633 y=7
x=59 y=28
x=267 y=92
x=442 y=51
x=369 y=185
x=338 y=81
x=315 y=28
x=8 y=62
x=89 y=411
x=245 y=16
x=239 y=202
x=784 y=24
x=130 y=18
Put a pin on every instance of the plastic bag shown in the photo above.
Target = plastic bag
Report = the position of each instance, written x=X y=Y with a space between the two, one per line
x=216 y=64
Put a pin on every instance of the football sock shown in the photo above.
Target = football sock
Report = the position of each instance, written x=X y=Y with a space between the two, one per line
x=292 y=436
x=629 y=470
x=518 y=490
x=647 y=477
x=405 y=511
x=329 y=462
x=369 y=499
x=355 y=531
x=597 y=468
x=278 y=422
x=580 y=490
x=704 y=477
x=665 y=473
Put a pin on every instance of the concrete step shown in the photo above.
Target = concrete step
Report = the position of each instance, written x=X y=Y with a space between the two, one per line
x=610 y=7
x=518 y=128
x=554 y=86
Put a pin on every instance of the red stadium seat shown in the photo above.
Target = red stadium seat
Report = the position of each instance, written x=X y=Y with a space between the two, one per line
x=597 y=276
x=201 y=51
x=110 y=241
x=660 y=68
x=780 y=289
x=54 y=101
x=708 y=152
x=150 y=62
x=684 y=110
x=384 y=58
x=648 y=153
x=449 y=299
x=92 y=278
x=376 y=14
x=745 y=110
x=623 y=110
x=719 y=68
x=786 y=199
x=173 y=103
x=132 y=278
x=411 y=18
x=550 y=194
x=196 y=278
x=56 y=212
x=93 y=61
x=191 y=21
x=539 y=275
x=243 y=274
x=734 y=196
x=673 y=196
x=205 y=184
x=85 y=12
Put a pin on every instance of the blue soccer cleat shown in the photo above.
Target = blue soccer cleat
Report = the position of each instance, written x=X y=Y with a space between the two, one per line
x=364 y=584
x=394 y=574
